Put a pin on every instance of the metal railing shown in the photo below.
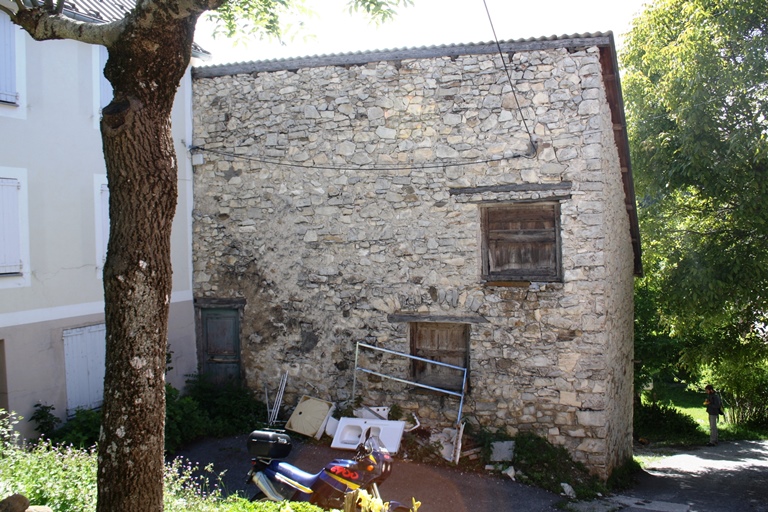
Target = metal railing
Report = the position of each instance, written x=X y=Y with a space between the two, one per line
x=459 y=395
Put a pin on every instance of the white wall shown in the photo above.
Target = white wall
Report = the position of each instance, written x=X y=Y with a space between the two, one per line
x=52 y=136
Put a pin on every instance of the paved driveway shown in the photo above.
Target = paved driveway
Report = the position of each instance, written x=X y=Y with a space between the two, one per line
x=728 y=477
x=732 y=476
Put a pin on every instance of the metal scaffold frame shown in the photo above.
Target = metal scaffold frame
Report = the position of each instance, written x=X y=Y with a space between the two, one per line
x=459 y=395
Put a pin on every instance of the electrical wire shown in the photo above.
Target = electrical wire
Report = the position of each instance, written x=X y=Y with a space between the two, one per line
x=531 y=155
x=371 y=167
x=509 y=76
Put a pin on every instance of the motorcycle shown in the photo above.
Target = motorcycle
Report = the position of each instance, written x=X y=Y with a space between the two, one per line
x=277 y=480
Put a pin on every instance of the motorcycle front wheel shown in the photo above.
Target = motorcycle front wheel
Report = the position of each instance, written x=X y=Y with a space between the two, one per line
x=259 y=496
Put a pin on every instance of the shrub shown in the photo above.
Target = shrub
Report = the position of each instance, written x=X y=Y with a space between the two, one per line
x=231 y=407
x=623 y=477
x=45 y=419
x=659 y=422
x=82 y=430
x=64 y=479
x=206 y=410
x=185 y=420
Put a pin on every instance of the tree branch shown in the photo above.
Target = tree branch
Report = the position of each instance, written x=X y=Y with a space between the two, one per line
x=43 y=26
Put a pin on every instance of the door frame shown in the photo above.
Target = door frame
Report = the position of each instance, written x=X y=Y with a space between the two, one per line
x=217 y=303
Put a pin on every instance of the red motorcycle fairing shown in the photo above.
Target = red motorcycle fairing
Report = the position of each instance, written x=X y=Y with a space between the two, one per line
x=279 y=480
x=346 y=472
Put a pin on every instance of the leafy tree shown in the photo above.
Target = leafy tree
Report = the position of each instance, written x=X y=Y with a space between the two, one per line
x=149 y=51
x=656 y=351
x=696 y=92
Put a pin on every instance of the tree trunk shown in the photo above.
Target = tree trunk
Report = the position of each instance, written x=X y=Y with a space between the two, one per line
x=145 y=67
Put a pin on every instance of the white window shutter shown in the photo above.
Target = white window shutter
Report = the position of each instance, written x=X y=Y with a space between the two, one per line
x=10 y=232
x=8 y=93
x=84 y=363
x=104 y=198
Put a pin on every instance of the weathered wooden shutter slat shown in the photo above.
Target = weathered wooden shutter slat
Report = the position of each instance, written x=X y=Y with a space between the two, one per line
x=521 y=242
x=522 y=237
x=444 y=342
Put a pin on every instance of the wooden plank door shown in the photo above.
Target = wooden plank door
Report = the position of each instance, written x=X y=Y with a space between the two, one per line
x=444 y=342
x=221 y=344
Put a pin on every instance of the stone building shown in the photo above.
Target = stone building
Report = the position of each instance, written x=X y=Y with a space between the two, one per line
x=471 y=204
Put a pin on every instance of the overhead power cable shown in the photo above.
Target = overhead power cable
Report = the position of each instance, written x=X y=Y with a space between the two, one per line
x=372 y=167
x=509 y=75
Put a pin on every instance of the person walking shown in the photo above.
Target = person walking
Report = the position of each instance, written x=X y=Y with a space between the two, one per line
x=714 y=405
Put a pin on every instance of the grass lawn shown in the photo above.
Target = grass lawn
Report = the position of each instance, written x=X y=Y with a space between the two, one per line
x=692 y=403
x=685 y=401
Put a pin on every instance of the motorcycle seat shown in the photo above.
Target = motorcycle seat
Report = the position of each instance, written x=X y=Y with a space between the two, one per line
x=297 y=474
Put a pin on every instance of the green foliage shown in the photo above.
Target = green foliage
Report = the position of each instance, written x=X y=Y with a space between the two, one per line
x=416 y=446
x=9 y=437
x=45 y=419
x=252 y=17
x=185 y=420
x=664 y=423
x=690 y=402
x=206 y=410
x=695 y=82
x=742 y=379
x=695 y=85
x=378 y=10
x=656 y=351
x=484 y=438
x=623 y=477
x=82 y=430
x=61 y=478
x=395 y=413
x=544 y=465
x=272 y=18
x=64 y=479
x=232 y=408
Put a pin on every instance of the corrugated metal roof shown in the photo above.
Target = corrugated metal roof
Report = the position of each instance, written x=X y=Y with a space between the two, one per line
x=362 y=57
x=106 y=11
x=100 y=10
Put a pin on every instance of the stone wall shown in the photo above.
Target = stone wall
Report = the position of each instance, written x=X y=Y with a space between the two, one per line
x=337 y=199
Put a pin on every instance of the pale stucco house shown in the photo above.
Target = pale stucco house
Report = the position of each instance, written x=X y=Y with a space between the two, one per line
x=470 y=204
x=54 y=222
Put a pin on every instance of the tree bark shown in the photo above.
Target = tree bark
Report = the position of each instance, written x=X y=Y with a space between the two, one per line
x=145 y=66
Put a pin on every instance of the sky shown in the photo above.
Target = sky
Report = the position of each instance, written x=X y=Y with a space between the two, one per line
x=427 y=23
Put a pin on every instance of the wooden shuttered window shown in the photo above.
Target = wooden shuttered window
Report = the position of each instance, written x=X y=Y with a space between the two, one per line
x=521 y=242
x=443 y=342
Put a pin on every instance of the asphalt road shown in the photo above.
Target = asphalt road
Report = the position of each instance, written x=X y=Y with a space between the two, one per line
x=727 y=477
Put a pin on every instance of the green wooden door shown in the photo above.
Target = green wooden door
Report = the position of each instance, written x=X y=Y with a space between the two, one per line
x=221 y=344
